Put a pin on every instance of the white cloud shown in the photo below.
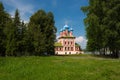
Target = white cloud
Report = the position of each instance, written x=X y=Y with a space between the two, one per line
x=67 y=21
x=23 y=8
x=82 y=41
x=57 y=35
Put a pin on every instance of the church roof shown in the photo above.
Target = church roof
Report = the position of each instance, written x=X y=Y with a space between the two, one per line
x=66 y=27
x=68 y=37
x=61 y=30
x=57 y=44
x=77 y=45
x=71 y=29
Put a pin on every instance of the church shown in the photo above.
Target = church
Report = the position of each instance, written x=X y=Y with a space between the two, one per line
x=66 y=45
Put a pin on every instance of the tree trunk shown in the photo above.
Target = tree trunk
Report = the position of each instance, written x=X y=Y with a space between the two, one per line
x=118 y=54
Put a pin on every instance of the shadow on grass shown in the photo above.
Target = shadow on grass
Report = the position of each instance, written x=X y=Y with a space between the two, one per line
x=104 y=56
x=90 y=55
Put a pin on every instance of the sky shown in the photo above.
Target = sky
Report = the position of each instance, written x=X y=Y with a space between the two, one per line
x=65 y=12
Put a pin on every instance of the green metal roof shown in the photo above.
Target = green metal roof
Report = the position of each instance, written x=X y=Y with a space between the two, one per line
x=67 y=37
x=76 y=44
x=57 y=44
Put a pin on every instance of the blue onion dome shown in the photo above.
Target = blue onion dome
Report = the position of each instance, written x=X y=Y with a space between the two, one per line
x=66 y=27
x=71 y=29
x=61 y=30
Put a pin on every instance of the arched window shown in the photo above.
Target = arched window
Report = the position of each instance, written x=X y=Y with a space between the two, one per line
x=68 y=48
x=65 y=42
x=65 y=48
x=65 y=52
x=69 y=52
x=71 y=48
x=56 y=52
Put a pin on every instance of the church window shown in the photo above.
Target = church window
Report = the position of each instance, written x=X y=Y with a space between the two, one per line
x=71 y=48
x=65 y=42
x=65 y=48
x=71 y=42
x=69 y=52
x=65 y=52
x=56 y=52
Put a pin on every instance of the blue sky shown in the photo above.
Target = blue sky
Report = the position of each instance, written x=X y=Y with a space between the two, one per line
x=65 y=11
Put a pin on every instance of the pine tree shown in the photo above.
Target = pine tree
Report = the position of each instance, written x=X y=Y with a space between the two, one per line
x=21 y=39
x=4 y=20
x=18 y=39
x=13 y=36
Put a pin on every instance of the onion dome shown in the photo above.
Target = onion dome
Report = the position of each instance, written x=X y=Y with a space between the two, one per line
x=61 y=30
x=66 y=27
x=71 y=29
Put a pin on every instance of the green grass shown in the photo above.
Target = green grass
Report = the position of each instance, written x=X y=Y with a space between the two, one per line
x=81 y=67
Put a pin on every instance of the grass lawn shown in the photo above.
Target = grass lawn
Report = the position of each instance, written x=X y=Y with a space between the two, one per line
x=81 y=67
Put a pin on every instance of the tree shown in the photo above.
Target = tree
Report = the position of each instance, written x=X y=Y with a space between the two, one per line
x=18 y=39
x=13 y=36
x=102 y=26
x=21 y=42
x=50 y=36
x=112 y=21
x=93 y=24
x=4 y=20
x=42 y=32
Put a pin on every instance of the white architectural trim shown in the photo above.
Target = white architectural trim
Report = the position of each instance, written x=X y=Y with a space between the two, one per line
x=67 y=52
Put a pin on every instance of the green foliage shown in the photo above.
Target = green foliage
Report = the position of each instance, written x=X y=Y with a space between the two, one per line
x=4 y=20
x=102 y=25
x=13 y=36
x=42 y=32
x=35 y=38
x=80 y=67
